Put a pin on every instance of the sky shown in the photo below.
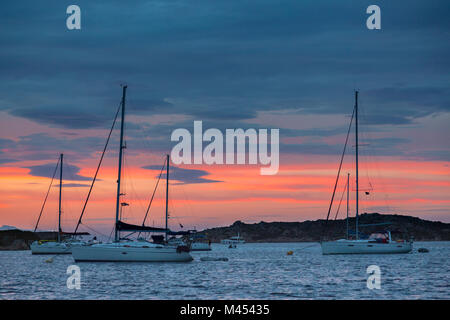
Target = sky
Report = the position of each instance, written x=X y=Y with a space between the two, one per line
x=287 y=65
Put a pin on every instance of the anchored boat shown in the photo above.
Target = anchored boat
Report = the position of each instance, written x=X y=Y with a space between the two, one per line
x=371 y=245
x=233 y=240
x=195 y=241
x=51 y=246
x=377 y=243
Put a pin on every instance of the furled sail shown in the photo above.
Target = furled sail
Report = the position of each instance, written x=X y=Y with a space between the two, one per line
x=122 y=226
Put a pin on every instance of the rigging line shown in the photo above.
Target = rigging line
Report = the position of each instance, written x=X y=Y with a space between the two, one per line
x=153 y=195
x=365 y=136
x=110 y=235
x=123 y=189
x=173 y=209
x=79 y=197
x=128 y=177
x=339 y=171
x=340 y=201
x=92 y=229
x=154 y=191
x=46 y=196
x=71 y=178
x=306 y=247
x=98 y=168
x=187 y=200
x=372 y=163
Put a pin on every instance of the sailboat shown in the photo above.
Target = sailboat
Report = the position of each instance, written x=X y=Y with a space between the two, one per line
x=48 y=246
x=200 y=243
x=129 y=250
x=377 y=243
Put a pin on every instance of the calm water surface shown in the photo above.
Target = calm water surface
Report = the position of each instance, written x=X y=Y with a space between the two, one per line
x=254 y=271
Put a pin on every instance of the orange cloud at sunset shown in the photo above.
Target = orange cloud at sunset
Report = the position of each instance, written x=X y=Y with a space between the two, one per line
x=298 y=192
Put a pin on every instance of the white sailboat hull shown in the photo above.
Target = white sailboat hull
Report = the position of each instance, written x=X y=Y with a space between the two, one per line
x=128 y=253
x=364 y=247
x=50 y=248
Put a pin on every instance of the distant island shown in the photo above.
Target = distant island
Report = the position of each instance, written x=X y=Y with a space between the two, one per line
x=12 y=238
x=401 y=226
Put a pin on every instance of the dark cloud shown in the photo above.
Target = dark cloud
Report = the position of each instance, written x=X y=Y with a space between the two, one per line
x=221 y=62
x=148 y=105
x=419 y=96
x=45 y=147
x=70 y=172
x=5 y=161
x=311 y=148
x=382 y=143
x=6 y=143
x=72 y=185
x=378 y=146
x=61 y=116
x=383 y=119
x=429 y=155
x=3 y=158
x=224 y=60
x=184 y=176
x=401 y=105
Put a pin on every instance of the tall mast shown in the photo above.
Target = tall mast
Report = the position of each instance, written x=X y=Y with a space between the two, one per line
x=121 y=146
x=356 y=153
x=60 y=192
x=348 y=196
x=167 y=194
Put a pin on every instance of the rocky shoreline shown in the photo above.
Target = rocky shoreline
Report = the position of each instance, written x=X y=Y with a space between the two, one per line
x=405 y=227
x=16 y=239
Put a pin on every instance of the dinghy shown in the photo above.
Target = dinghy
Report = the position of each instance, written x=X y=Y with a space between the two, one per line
x=50 y=246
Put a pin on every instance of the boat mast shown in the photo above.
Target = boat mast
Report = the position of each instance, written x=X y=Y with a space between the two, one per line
x=356 y=153
x=60 y=192
x=121 y=146
x=348 y=192
x=167 y=194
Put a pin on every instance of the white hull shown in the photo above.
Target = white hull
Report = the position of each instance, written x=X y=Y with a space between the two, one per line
x=364 y=247
x=50 y=248
x=200 y=246
x=132 y=252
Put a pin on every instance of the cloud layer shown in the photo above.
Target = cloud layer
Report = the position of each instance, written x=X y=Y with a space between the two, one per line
x=184 y=176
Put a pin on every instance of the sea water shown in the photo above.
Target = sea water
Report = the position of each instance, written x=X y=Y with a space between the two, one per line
x=253 y=271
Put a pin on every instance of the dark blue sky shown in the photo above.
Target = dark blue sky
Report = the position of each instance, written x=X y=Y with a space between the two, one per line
x=223 y=62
